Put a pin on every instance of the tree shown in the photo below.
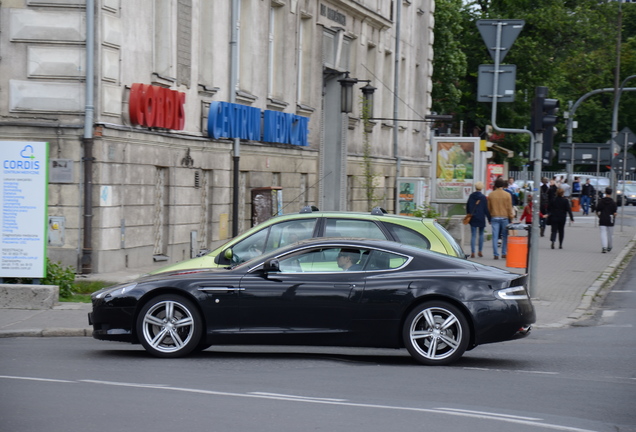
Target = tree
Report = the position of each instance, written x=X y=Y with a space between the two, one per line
x=568 y=46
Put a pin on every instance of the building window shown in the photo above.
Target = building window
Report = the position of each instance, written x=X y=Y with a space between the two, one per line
x=248 y=52
x=164 y=41
x=304 y=61
x=387 y=79
x=184 y=42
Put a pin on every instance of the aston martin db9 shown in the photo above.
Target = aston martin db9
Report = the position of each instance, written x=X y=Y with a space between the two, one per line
x=327 y=291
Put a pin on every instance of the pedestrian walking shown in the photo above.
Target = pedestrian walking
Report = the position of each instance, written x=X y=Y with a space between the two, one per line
x=526 y=216
x=587 y=193
x=558 y=211
x=567 y=190
x=477 y=207
x=544 y=201
x=501 y=214
x=606 y=212
x=576 y=188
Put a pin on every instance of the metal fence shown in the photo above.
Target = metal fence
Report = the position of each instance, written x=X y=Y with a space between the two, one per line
x=528 y=175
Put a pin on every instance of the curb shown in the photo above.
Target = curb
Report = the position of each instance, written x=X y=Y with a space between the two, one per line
x=593 y=291
x=47 y=332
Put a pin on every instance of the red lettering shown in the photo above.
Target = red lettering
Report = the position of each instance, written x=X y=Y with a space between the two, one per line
x=160 y=99
x=135 y=105
x=169 y=109
x=149 y=106
x=154 y=106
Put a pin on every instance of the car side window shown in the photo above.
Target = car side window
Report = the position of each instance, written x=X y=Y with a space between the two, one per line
x=325 y=260
x=289 y=232
x=380 y=260
x=353 y=228
x=408 y=236
x=250 y=247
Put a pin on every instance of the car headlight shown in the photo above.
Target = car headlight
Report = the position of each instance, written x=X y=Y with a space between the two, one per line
x=114 y=291
x=512 y=293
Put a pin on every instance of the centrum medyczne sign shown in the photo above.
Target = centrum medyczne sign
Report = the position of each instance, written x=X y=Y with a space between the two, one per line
x=24 y=182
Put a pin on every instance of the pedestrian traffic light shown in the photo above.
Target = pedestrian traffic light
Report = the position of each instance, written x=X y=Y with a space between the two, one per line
x=544 y=118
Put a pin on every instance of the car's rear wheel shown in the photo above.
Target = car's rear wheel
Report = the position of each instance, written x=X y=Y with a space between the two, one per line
x=436 y=333
x=169 y=326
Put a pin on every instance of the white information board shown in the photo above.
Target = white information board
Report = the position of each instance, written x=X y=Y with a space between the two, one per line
x=23 y=220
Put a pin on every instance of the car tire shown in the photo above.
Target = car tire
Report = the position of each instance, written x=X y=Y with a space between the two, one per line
x=169 y=326
x=436 y=333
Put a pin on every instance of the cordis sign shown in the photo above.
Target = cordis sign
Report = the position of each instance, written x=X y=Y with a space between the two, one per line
x=155 y=106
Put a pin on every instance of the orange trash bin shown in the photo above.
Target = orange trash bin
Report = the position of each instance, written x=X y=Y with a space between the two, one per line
x=576 y=205
x=517 y=254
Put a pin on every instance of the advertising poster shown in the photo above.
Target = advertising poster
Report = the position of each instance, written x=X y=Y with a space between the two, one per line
x=492 y=172
x=24 y=180
x=412 y=194
x=455 y=166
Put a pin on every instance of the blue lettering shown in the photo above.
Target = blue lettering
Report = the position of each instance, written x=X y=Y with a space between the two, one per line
x=21 y=164
x=227 y=120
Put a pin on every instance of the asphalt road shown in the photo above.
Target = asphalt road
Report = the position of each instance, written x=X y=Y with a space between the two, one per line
x=575 y=379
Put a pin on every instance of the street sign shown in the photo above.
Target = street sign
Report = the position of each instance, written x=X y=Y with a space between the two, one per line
x=630 y=165
x=585 y=153
x=510 y=29
x=620 y=138
x=505 y=87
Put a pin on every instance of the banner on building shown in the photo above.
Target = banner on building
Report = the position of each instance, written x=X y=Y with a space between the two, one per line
x=24 y=222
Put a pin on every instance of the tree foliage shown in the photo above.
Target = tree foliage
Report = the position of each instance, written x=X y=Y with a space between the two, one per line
x=568 y=46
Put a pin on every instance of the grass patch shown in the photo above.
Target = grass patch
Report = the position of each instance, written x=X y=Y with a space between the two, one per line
x=82 y=290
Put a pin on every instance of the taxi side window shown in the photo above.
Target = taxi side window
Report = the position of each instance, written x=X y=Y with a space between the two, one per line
x=353 y=228
x=289 y=232
x=408 y=236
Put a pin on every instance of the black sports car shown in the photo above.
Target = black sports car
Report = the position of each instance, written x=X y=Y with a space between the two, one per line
x=333 y=292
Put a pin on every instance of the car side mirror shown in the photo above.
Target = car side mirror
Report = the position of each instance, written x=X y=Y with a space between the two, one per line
x=271 y=266
x=228 y=254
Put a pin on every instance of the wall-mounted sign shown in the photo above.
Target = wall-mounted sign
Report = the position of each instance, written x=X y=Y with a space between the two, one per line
x=154 y=106
x=24 y=222
x=412 y=194
x=456 y=166
x=228 y=120
x=61 y=171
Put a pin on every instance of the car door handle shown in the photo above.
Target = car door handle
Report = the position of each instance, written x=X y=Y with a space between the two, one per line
x=344 y=285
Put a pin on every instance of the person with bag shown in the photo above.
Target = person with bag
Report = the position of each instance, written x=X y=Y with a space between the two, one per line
x=477 y=209
x=558 y=211
x=606 y=212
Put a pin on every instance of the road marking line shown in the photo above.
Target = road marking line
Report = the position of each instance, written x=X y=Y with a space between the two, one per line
x=36 y=379
x=444 y=411
x=490 y=414
x=297 y=397
x=511 y=370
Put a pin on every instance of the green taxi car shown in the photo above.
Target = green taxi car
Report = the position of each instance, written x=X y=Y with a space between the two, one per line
x=309 y=223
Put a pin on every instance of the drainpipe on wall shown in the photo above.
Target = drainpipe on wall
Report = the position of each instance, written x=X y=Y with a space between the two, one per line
x=89 y=109
x=396 y=100
x=237 y=141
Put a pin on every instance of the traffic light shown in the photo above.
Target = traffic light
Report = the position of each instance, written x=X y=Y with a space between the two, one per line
x=544 y=119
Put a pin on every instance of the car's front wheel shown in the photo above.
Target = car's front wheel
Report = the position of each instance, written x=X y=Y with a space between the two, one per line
x=169 y=326
x=436 y=333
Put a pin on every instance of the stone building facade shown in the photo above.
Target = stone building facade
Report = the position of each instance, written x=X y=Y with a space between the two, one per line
x=150 y=180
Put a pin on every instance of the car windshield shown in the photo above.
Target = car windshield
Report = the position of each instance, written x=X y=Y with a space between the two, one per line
x=628 y=189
